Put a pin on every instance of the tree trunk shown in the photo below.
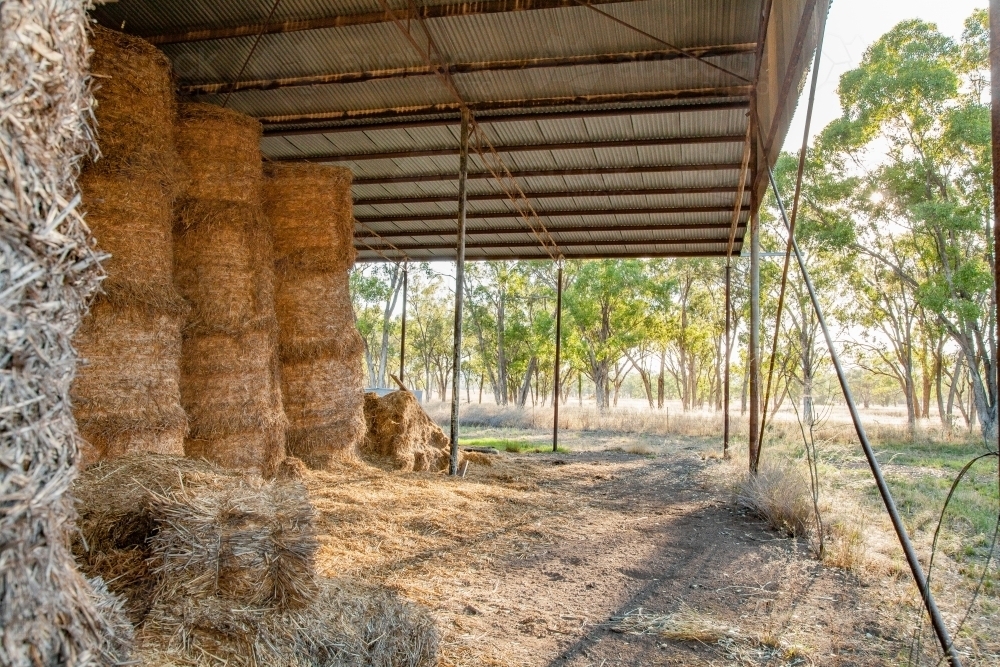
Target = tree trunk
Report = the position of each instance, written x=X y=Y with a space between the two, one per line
x=522 y=395
x=390 y=305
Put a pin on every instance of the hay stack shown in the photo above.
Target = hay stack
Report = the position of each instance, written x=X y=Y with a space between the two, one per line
x=49 y=614
x=310 y=211
x=230 y=374
x=401 y=435
x=217 y=567
x=127 y=395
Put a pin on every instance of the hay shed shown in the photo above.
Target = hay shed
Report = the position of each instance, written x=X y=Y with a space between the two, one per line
x=126 y=395
x=310 y=211
x=230 y=373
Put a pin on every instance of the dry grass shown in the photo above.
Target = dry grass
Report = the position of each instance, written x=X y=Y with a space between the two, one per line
x=401 y=435
x=779 y=494
x=420 y=533
x=685 y=625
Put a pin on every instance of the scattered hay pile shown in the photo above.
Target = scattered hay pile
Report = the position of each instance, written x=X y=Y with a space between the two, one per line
x=310 y=211
x=49 y=614
x=127 y=394
x=218 y=567
x=230 y=374
x=402 y=435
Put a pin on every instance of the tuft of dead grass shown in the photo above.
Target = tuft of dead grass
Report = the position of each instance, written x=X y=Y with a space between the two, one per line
x=684 y=625
x=779 y=494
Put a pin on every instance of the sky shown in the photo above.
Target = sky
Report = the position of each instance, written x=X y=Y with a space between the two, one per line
x=852 y=26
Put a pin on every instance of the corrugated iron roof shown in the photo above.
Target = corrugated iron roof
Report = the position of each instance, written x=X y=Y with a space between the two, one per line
x=562 y=92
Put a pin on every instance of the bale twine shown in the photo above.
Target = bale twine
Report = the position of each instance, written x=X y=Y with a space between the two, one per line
x=219 y=568
x=127 y=394
x=49 y=613
x=402 y=436
x=223 y=259
x=310 y=211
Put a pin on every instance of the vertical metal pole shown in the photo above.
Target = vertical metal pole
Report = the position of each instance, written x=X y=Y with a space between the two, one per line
x=402 y=332
x=754 y=352
x=729 y=324
x=555 y=382
x=995 y=120
x=463 y=173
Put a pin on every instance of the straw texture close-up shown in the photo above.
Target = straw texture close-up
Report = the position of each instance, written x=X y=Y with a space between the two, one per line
x=127 y=395
x=49 y=613
x=310 y=211
x=230 y=374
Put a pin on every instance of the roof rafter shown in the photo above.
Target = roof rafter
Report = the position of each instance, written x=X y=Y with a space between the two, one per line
x=218 y=88
x=504 y=231
x=633 y=254
x=366 y=18
x=474 y=215
x=525 y=148
x=497 y=105
x=530 y=243
x=485 y=119
x=544 y=173
x=500 y=196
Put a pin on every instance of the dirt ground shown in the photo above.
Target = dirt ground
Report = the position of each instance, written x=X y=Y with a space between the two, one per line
x=601 y=558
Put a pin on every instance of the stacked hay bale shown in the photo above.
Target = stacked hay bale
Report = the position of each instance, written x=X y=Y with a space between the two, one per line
x=310 y=210
x=401 y=435
x=127 y=394
x=49 y=614
x=218 y=568
x=230 y=374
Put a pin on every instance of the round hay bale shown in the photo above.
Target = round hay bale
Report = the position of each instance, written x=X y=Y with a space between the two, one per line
x=222 y=266
x=311 y=211
x=316 y=317
x=131 y=219
x=221 y=150
x=401 y=435
x=135 y=108
x=126 y=394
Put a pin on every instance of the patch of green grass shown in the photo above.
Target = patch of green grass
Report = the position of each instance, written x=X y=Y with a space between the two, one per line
x=930 y=454
x=512 y=446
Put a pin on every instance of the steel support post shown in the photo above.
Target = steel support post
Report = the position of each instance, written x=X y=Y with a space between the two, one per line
x=753 y=353
x=555 y=381
x=726 y=361
x=402 y=331
x=463 y=172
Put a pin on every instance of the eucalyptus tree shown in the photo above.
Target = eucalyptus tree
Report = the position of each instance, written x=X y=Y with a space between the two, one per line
x=915 y=132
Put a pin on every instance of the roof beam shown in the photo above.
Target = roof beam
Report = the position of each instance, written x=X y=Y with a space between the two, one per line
x=368 y=18
x=498 y=105
x=502 y=196
x=219 y=88
x=533 y=243
x=526 y=148
x=543 y=173
x=508 y=118
x=504 y=231
x=634 y=254
x=490 y=215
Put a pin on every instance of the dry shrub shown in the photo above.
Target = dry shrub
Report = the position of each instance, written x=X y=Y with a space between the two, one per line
x=780 y=495
x=310 y=211
x=219 y=568
x=845 y=545
x=230 y=374
x=49 y=614
x=401 y=435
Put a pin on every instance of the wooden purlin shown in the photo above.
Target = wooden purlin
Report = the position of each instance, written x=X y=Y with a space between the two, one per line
x=599 y=171
x=558 y=194
x=584 y=229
